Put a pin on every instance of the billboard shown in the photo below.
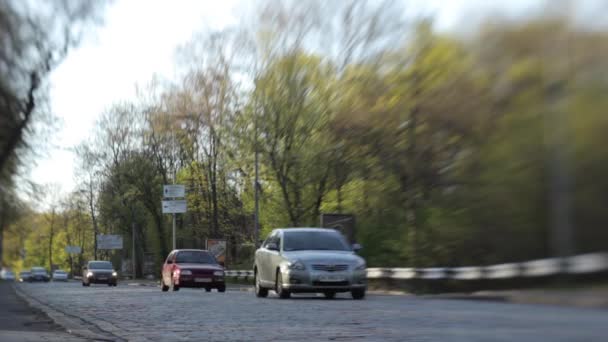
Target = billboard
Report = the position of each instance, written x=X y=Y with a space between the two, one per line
x=217 y=247
x=73 y=249
x=345 y=223
x=107 y=241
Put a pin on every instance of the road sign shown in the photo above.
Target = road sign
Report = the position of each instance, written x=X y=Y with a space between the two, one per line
x=73 y=249
x=174 y=207
x=175 y=190
x=217 y=247
x=107 y=241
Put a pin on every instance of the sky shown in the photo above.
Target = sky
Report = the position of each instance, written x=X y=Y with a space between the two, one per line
x=138 y=40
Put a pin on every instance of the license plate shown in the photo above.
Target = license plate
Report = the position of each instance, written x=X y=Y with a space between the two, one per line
x=103 y=278
x=331 y=278
x=202 y=280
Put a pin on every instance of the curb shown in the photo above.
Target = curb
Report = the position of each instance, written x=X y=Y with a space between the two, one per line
x=73 y=325
x=229 y=287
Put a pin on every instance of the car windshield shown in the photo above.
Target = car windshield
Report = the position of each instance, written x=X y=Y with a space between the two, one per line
x=100 y=265
x=38 y=270
x=194 y=257
x=59 y=272
x=314 y=240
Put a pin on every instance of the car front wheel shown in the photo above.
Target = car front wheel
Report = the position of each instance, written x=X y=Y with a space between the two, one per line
x=283 y=294
x=330 y=294
x=259 y=290
x=358 y=294
x=163 y=287
x=173 y=286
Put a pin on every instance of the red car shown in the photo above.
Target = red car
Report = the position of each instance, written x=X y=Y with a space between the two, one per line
x=192 y=268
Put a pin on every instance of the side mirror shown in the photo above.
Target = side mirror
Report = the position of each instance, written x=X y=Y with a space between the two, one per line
x=223 y=264
x=169 y=262
x=357 y=247
x=84 y=268
x=272 y=246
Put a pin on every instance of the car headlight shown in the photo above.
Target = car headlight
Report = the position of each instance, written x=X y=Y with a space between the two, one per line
x=185 y=272
x=89 y=274
x=218 y=273
x=114 y=274
x=361 y=266
x=296 y=265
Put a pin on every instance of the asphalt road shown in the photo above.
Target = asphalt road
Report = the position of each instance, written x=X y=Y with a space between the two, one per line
x=20 y=322
x=145 y=313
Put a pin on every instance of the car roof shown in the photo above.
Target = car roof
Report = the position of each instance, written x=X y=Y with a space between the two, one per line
x=38 y=268
x=328 y=230
x=100 y=261
x=189 y=250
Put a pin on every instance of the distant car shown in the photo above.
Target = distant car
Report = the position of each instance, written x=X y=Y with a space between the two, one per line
x=309 y=260
x=192 y=268
x=39 y=274
x=24 y=276
x=99 y=272
x=7 y=275
x=60 y=275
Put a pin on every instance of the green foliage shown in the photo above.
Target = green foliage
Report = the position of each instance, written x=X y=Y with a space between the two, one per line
x=442 y=147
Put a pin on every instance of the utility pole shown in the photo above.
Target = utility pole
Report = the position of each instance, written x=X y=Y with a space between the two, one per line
x=256 y=186
x=133 y=243
x=556 y=131
x=174 y=172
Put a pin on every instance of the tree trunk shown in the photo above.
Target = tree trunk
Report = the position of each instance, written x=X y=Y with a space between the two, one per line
x=51 y=233
x=94 y=220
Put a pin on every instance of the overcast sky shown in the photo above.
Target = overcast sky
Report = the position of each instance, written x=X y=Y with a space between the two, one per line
x=138 y=40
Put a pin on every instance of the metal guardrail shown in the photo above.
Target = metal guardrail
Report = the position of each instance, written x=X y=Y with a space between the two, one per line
x=575 y=265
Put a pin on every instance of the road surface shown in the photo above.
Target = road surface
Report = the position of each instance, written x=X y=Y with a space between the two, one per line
x=21 y=323
x=146 y=314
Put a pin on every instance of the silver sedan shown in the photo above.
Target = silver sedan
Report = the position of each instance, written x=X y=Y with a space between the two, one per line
x=308 y=260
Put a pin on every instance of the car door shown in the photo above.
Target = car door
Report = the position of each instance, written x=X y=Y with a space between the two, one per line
x=262 y=260
x=274 y=257
x=168 y=268
x=85 y=270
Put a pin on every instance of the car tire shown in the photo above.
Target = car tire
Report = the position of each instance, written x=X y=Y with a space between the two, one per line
x=109 y=284
x=358 y=294
x=83 y=284
x=207 y=289
x=260 y=292
x=329 y=294
x=163 y=287
x=221 y=289
x=283 y=294
x=173 y=286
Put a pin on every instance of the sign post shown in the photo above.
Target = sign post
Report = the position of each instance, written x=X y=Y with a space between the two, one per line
x=107 y=241
x=174 y=191
x=171 y=204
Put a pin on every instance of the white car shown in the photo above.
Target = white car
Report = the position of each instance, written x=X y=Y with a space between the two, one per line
x=60 y=275
x=7 y=275
x=308 y=260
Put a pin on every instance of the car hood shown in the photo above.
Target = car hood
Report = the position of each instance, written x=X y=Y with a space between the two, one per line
x=324 y=257
x=201 y=267
x=100 y=270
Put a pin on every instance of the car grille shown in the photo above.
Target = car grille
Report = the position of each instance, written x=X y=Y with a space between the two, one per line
x=330 y=283
x=202 y=272
x=330 y=268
